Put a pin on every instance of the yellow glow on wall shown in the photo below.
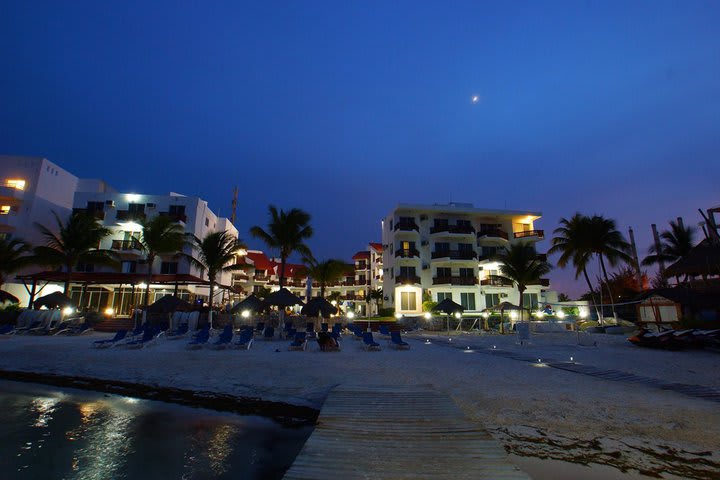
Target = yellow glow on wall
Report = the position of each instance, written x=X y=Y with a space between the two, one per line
x=15 y=183
x=4 y=209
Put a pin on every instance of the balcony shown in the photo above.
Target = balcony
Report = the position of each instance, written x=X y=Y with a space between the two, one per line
x=407 y=279
x=495 y=281
x=349 y=283
x=407 y=253
x=128 y=216
x=261 y=277
x=454 y=255
x=455 y=281
x=453 y=229
x=10 y=195
x=543 y=282
x=406 y=226
x=540 y=234
x=493 y=233
x=177 y=217
x=98 y=214
x=126 y=245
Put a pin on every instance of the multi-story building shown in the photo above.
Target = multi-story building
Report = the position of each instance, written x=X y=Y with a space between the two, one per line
x=432 y=252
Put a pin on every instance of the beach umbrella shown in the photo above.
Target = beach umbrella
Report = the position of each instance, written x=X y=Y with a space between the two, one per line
x=449 y=307
x=282 y=298
x=252 y=303
x=319 y=307
x=7 y=297
x=501 y=307
x=168 y=304
x=54 y=300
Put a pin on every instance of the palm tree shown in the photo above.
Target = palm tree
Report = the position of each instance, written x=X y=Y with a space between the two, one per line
x=14 y=256
x=606 y=241
x=375 y=296
x=325 y=272
x=674 y=244
x=216 y=254
x=572 y=241
x=286 y=233
x=76 y=241
x=160 y=235
x=521 y=265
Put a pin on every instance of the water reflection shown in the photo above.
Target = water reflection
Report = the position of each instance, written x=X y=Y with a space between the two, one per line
x=44 y=407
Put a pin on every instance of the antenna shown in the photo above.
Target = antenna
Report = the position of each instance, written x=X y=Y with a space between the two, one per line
x=234 y=205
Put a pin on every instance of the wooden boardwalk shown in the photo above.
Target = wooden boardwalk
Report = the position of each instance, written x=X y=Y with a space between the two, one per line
x=368 y=432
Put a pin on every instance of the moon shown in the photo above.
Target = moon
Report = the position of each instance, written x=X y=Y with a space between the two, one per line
x=475 y=98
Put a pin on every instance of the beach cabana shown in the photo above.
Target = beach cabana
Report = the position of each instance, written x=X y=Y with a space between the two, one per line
x=502 y=307
x=319 y=307
x=282 y=298
x=450 y=308
x=169 y=304
x=251 y=303
x=7 y=297
x=53 y=300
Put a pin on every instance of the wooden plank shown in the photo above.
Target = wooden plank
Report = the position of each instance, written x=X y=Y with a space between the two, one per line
x=398 y=432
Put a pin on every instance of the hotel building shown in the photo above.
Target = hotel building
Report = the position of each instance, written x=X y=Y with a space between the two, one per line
x=432 y=252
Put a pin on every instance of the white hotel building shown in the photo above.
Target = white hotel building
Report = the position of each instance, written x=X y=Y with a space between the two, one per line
x=444 y=250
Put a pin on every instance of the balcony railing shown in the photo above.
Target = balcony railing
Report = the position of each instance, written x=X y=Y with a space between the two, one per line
x=406 y=226
x=455 y=281
x=125 y=245
x=177 y=217
x=495 y=281
x=127 y=215
x=261 y=277
x=530 y=233
x=493 y=233
x=455 y=254
x=407 y=279
x=98 y=214
x=456 y=229
x=544 y=282
x=407 y=253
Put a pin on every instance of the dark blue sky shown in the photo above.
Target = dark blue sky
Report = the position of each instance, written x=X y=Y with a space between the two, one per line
x=347 y=108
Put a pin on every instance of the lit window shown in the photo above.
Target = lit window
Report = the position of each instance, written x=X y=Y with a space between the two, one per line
x=16 y=184
x=4 y=209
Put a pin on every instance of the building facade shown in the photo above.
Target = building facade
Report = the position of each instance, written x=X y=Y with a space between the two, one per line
x=433 y=252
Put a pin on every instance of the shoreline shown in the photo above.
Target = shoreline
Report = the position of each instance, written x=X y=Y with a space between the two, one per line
x=286 y=414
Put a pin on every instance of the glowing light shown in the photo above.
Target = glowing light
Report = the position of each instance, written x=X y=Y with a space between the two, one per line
x=398 y=316
x=513 y=314
x=4 y=210
x=494 y=347
x=241 y=252
x=68 y=311
x=486 y=315
x=334 y=303
x=560 y=314
x=351 y=315
x=132 y=197
x=457 y=315
x=131 y=400
x=130 y=226
x=15 y=183
x=109 y=312
x=427 y=315
x=245 y=313
x=475 y=98
x=583 y=312
x=142 y=285
x=539 y=314
x=572 y=359
x=427 y=341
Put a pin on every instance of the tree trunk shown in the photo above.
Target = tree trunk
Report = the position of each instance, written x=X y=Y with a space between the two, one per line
x=322 y=289
x=150 y=261
x=592 y=295
x=607 y=285
x=210 y=302
x=521 y=289
x=68 y=277
x=283 y=259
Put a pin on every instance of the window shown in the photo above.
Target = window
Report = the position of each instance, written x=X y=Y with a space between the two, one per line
x=4 y=209
x=168 y=267
x=361 y=279
x=463 y=223
x=408 y=245
x=440 y=222
x=176 y=210
x=443 y=295
x=530 y=300
x=491 y=251
x=467 y=300
x=16 y=184
x=442 y=246
x=207 y=222
x=406 y=220
x=128 y=267
x=408 y=301
x=465 y=247
x=407 y=271
x=466 y=272
x=95 y=206
x=136 y=208
x=492 y=299
x=444 y=272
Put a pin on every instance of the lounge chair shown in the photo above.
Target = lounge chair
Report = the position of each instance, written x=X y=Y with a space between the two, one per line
x=201 y=339
x=77 y=326
x=180 y=332
x=119 y=335
x=397 y=342
x=149 y=336
x=7 y=330
x=269 y=333
x=336 y=330
x=383 y=329
x=310 y=329
x=300 y=341
x=327 y=343
x=224 y=338
x=245 y=340
x=357 y=332
x=369 y=343
x=38 y=319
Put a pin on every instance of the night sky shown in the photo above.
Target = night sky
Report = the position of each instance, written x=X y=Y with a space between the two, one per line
x=346 y=108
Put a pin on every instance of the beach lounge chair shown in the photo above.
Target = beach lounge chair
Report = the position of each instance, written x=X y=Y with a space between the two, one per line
x=357 y=332
x=119 y=335
x=180 y=332
x=369 y=343
x=310 y=329
x=76 y=326
x=201 y=339
x=7 y=330
x=224 y=338
x=269 y=333
x=383 y=329
x=37 y=320
x=245 y=339
x=327 y=343
x=149 y=336
x=397 y=342
x=300 y=341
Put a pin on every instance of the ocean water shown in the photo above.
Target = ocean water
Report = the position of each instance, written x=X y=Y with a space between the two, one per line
x=50 y=433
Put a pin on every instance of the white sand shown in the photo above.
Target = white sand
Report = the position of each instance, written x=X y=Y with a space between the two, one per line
x=537 y=411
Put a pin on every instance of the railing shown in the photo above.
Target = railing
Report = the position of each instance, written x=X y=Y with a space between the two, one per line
x=348 y=283
x=455 y=280
x=125 y=215
x=458 y=229
x=125 y=245
x=177 y=217
x=530 y=233
x=407 y=253
x=495 y=281
x=98 y=214
x=455 y=254
x=544 y=282
x=493 y=233
x=407 y=279
x=261 y=277
x=406 y=226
